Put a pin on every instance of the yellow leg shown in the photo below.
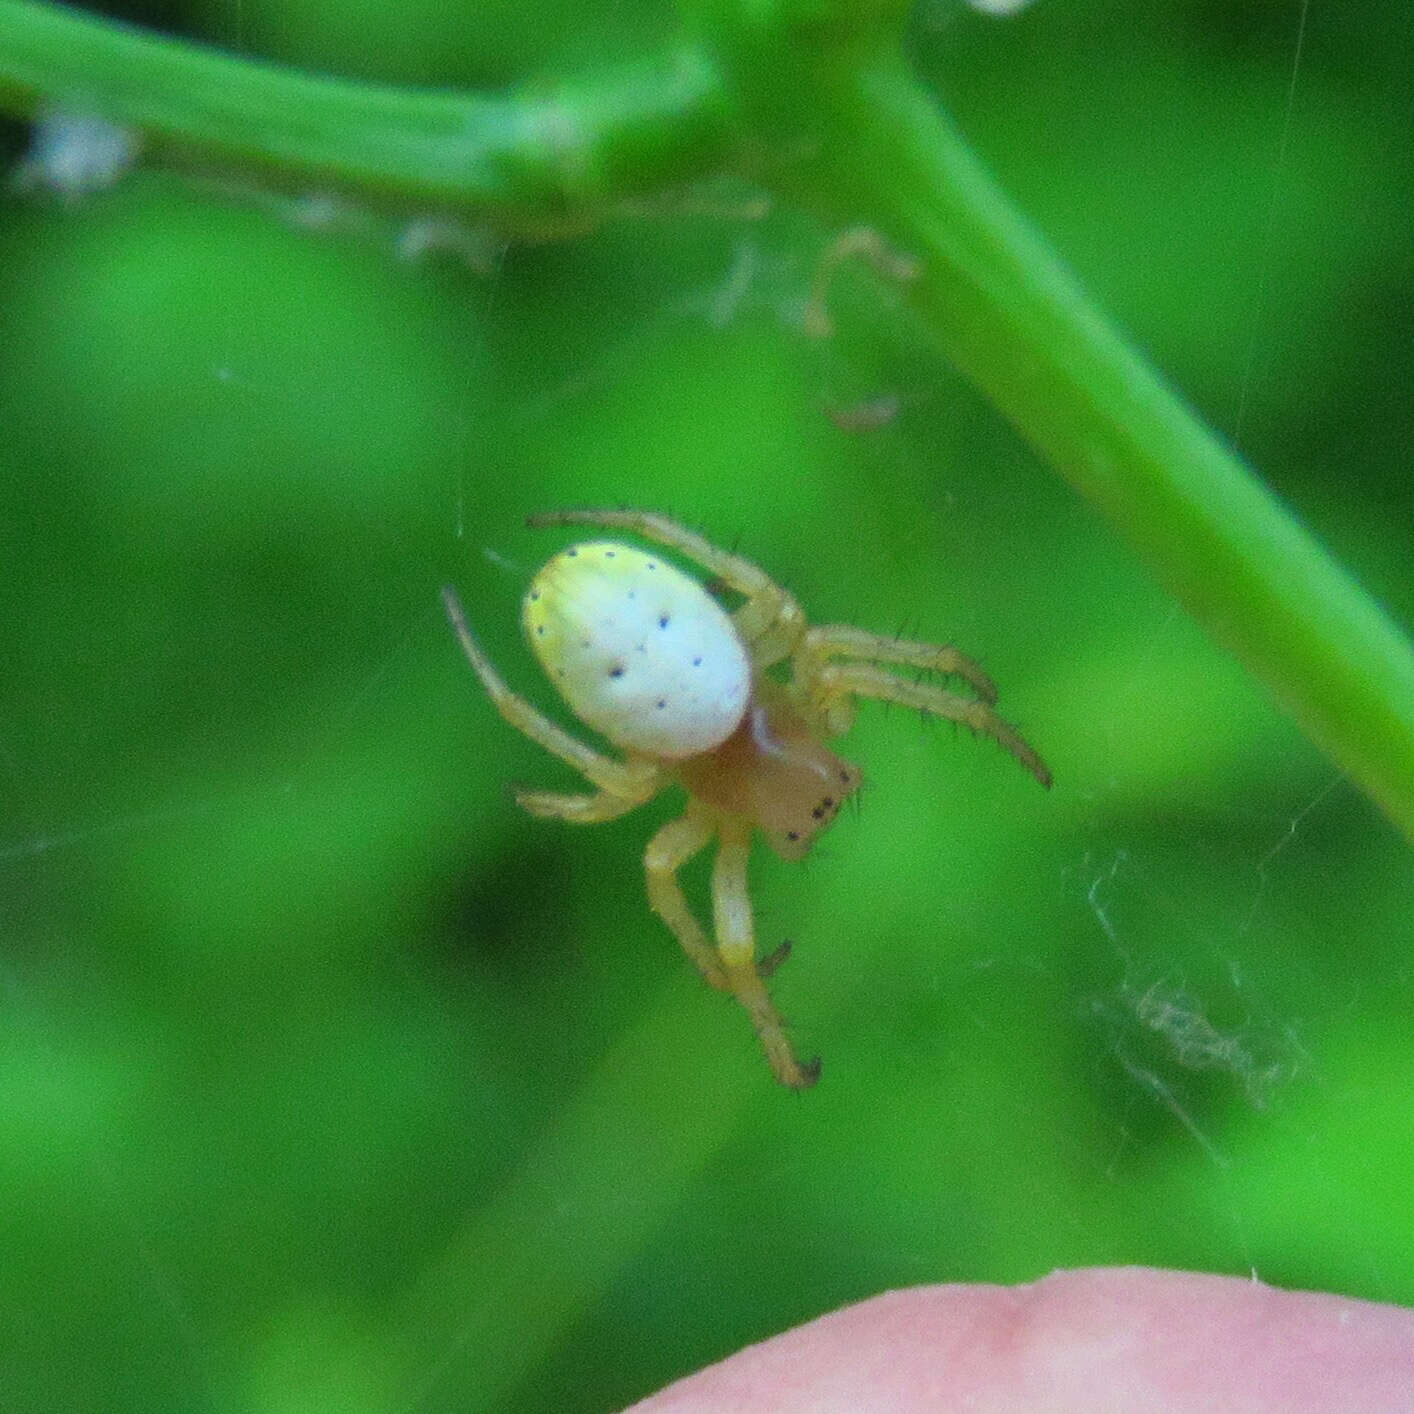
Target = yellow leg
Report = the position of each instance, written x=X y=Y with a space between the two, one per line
x=840 y=641
x=667 y=852
x=736 y=945
x=632 y=781
x=576 y=809
x=770 y=621
x=837 y=683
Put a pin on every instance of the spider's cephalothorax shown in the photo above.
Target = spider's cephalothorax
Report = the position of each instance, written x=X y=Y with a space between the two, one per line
x=773 y=771
x=647 y=657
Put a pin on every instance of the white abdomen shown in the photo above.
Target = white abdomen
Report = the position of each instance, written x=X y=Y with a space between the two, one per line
x=638 y=649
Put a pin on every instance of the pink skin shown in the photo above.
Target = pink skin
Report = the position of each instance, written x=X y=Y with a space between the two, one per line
x=1100 y=1340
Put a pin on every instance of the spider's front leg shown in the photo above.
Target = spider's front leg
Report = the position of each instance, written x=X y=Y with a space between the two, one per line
x=834 y=686
x=731 y=966
x=667 y=852
x=736 y=946
x=826 y=641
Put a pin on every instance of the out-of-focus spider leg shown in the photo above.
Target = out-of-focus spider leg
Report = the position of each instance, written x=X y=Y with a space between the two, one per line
x=667 y=852
x=736 y=945
x=767 y=966
x=631 y=781
x=770 y=621
x=836 y=682
x=841 y=641
x=577 y=809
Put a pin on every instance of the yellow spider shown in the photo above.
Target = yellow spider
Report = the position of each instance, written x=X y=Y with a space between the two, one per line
x=647 y=657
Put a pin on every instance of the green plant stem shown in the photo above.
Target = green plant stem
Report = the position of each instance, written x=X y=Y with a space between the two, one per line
x=1011 y=317
x=532 y=163
x=854 y=137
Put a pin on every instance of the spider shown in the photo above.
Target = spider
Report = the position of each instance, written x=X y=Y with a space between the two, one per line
x=732 y=706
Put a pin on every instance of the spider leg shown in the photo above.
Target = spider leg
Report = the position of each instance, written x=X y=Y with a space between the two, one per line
x=736 y=945
x=577 y=809
x=629 y=781
x=836 y=683
x=770 y=621
x=667 y=852
x=828 y=641
x=767 y=966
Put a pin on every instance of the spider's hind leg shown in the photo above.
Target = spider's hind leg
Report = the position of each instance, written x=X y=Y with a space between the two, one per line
x=633 y=781
x=768 y=965
x=576 y=809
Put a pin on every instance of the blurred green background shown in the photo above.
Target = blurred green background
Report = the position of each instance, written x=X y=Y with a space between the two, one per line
x=329 y=1080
